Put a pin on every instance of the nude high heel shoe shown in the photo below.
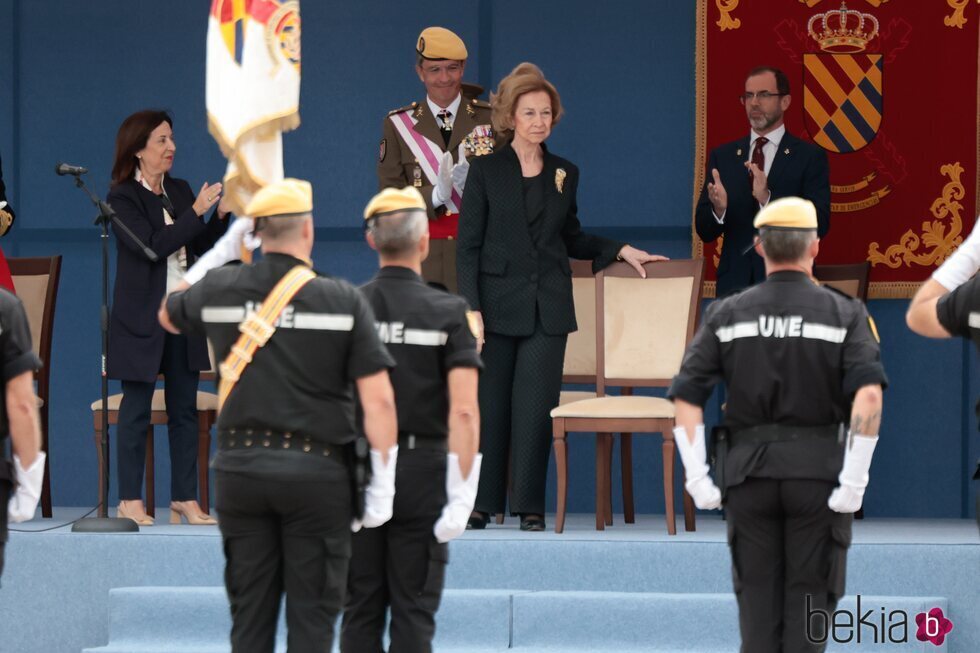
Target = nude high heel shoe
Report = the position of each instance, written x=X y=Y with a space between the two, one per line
x=191 y=512
x=137 y=514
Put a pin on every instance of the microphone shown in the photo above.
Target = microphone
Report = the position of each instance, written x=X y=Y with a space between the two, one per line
x=63 y=169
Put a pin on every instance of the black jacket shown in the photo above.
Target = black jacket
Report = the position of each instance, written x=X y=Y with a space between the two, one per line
x=500 y=271
x=135 y=336
x=3 y=196
x=799 y=169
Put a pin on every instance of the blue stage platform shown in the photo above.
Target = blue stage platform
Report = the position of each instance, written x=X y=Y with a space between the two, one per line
x=629 y=588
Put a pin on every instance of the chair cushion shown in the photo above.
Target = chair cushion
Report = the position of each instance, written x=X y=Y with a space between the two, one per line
x=568 y=396
x=613 y=407
x=205 y=401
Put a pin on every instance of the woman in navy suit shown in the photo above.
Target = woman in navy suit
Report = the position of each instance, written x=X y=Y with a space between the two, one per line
x=166 y=216
x=519 y=226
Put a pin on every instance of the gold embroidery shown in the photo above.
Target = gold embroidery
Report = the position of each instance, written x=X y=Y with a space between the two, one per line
x=935 y=240
x=726 y=7
x=956 y=19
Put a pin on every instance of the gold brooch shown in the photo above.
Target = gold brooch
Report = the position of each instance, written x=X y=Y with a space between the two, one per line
x=560 y=175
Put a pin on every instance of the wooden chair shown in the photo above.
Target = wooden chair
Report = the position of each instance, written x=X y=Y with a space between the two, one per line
x=207 y=415
x=36 y=283
x=643 y=327
x=849 y=278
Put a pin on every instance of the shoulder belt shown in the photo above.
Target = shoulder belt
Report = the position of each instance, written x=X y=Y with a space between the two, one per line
x=257 y=328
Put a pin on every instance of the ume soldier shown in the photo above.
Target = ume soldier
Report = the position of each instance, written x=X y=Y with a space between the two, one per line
x=797 y=361
x=428 y=331
x=293 y=345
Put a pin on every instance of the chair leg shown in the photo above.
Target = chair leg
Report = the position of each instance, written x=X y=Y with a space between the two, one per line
x=103 y=510
x=203 y=452
x=561 y=469
x=46 y=484
x=148 y=475
x=601 y=480
x=668 y=453
x=626 y=471
x=608 y=489
x=689 y=524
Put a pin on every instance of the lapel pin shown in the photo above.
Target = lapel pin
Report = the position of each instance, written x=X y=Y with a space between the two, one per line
x=738 y=152
x=786 y=151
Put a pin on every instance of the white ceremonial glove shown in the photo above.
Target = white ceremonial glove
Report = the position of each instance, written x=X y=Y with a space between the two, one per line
x=963 y=264
x=461 y=169
x=227 y=249
x=379 y=496
x=443 y=189
x=699 y=485
x=24 y=501
x=460 y=497
x=853 y=479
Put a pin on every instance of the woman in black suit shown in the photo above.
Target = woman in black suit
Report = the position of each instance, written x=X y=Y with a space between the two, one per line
x=166 y=216
x=519 y=227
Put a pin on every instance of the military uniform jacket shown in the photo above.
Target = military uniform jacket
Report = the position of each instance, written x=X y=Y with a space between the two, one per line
x=397 y=166
x=790 y=353
x=427 y=332
x=799 y=169
x=301 y=381
x=499 y=269
x=15 y=347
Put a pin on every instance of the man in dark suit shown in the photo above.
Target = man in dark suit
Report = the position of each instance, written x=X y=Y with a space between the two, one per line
x=745 y=175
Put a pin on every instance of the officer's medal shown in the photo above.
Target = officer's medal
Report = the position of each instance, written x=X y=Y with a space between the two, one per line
x=479 y=142
x=417 y=175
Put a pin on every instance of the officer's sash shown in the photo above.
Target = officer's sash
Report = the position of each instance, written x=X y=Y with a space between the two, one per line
x=258 y=327
x=427 y=153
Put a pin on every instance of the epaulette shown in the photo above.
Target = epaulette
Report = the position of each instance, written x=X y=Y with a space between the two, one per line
x=407 y=107
x=483 y=104
x=840 y=292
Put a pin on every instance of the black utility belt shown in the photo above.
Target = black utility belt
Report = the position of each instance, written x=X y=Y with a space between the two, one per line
x=786 y=433
x=409 y=440
x=231 y=439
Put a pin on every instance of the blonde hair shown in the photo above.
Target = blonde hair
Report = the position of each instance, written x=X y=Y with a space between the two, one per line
x=525 y=78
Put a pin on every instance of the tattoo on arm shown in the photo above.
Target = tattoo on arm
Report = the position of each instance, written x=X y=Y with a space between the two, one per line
x=866 y=425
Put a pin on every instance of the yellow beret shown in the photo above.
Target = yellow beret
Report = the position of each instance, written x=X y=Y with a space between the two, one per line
x=440 y=43
x=391 y=200
x=787 y=213
x=286 y=197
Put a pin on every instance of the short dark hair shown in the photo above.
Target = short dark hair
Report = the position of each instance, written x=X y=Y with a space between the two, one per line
x=782 y=81
x=133 y=134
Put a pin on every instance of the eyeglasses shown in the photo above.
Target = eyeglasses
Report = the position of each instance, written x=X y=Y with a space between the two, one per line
x=762 y=96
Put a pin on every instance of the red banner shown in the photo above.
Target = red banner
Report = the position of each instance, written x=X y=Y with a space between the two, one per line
x=889 y=89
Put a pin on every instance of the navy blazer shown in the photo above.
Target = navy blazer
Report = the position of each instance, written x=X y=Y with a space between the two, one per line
x=135 y=336
x=499 y=270
x=799 y=169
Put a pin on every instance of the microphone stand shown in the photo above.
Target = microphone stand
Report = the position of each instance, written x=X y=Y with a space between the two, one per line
x=103 y=523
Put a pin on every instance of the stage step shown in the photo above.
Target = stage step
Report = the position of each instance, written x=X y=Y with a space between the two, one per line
x=196 y=620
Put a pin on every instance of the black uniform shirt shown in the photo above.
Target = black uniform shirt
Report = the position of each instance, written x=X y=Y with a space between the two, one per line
x=959 y=311
x=15 y=347
x=791 y=353
x=301 y=381
x=427 y=332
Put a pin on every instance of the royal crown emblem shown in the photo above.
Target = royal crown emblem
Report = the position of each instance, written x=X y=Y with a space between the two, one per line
x=842 y=30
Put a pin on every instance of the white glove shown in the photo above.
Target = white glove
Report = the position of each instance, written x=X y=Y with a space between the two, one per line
x=461 y=169
x=853 y=479
x=699 y=485
x=460 y=497
x=24 y=501
x=963 y=264
x=379 y=496
x=443 y=189
x=227 y=249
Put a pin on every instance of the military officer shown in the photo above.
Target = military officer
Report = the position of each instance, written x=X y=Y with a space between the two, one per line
x=428 y=332
x=797 y=360
x=293 y=345
x=18 y=419
x=425 y=145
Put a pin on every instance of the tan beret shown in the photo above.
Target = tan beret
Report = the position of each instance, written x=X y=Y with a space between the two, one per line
x=282 y=198
x=440 y=43
x=391 y=200
x=787 y=213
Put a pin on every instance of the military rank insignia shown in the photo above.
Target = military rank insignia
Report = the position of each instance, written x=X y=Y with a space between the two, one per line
x=479 y=142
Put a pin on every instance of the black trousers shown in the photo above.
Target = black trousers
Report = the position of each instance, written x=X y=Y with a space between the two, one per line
x=284 y=535
x=180 y=392
x=5 y=493
x=519 y=386
x=786 y=546
x=400 y=564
